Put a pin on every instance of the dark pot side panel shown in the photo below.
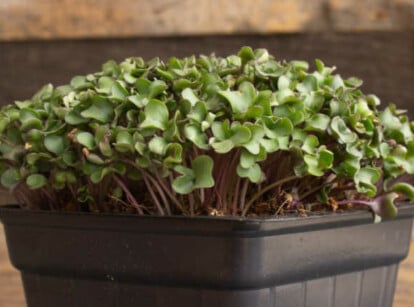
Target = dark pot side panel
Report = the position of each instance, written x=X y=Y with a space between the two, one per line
x=206 y=261
x=372 y=287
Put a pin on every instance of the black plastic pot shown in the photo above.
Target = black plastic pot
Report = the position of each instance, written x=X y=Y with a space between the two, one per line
x=74 y=259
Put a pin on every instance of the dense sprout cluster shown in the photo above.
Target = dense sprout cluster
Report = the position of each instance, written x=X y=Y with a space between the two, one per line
x=239 y=135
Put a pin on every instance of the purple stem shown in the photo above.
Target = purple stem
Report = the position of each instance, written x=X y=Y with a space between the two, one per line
x=129 y=195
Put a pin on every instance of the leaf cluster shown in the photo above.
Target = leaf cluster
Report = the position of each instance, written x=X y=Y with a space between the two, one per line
x=238 y=135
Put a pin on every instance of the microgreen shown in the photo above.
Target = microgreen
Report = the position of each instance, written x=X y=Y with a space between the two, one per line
x=207 y=134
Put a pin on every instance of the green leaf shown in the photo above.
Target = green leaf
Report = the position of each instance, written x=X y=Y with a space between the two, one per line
x=270 y=69
x=261 y=55
x=285 y=96
x=32 y=158
x=29 y=119
x=138 y=100
x=337 y=82
x=129 y=78
x=348 y=167
x=319 y=65
x=221 y=130
x=241 y=99
x=86 y=139
x=247 y=159
x=143 y=86
x=298 y=136
x=293 y=111
x=314 y=101
x=277 y=128
x=174 y=153
x=310 y=144
x=257 y=133
x=80 y=83
x=100 y=110
x=318 y=122
x=156 y=88
x=312 y=164
x=270 y=145
x=300 y=65
x=36 y=181
x=254 y=172
x=384 y=205
x=124 y=142
x=69 y=158
x=100 y=174
x=405 y=189
x=326 y=158
x=105 y=84
x=119 y=92
x=65 y=177
x=389 y=120
x=241 y=135
x=156 y=115
x=223 y=146
x=353 y=82
x=10 y=177
x=95 y=159
x=31 y=123
x=203 y=169
x=365 y=179
x=196 y=136
x=344 y=134
x=323 y=195
x=283 y=82
x=189 y=95
x=158 y=145
x=198 y=112
x=308 y=84
x=111 y=68
x=44 y=93
x=73 y=117
x=183 y=184
x=14 y=135
x=246 y=54
x=184 y=170
x=319 y=162
x=55 y=143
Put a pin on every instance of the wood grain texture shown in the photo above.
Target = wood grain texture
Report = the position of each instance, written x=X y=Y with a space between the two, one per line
x=385 y=61
x=46 y=19
x=11 y=290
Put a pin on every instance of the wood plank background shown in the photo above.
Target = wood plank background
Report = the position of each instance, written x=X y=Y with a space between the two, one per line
x=385 y=60
x=46 y=19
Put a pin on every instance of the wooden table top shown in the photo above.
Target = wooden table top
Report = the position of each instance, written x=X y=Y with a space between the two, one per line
x=11 y=291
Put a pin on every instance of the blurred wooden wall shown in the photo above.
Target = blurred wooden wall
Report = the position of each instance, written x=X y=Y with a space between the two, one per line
x=51 y=19
x=45 y=41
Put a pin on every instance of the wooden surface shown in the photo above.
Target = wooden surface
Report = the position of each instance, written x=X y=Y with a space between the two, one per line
x=11 y=292
x=46 y=19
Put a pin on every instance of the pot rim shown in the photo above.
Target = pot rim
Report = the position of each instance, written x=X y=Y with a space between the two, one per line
x=201 y=225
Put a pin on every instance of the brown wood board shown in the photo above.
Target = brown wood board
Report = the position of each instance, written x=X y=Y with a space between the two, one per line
x=384 y=60
x=50 y=19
